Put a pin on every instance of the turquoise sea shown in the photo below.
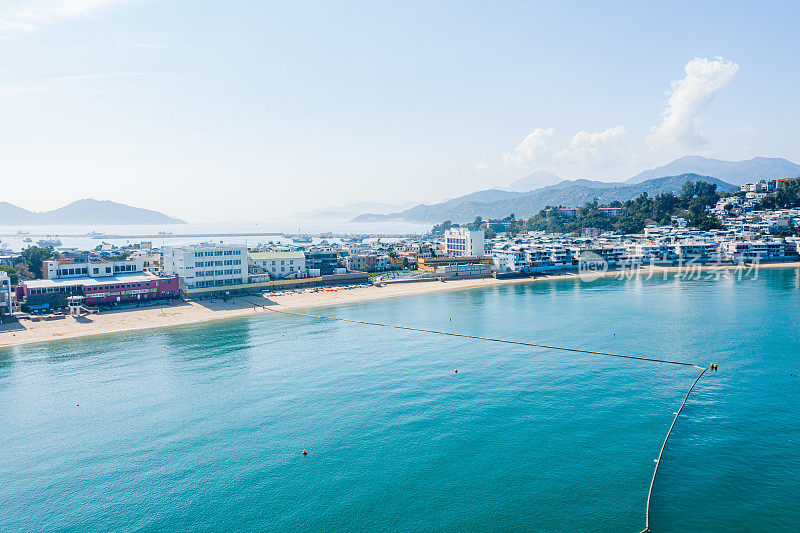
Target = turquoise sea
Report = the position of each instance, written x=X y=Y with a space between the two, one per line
x=202 y=427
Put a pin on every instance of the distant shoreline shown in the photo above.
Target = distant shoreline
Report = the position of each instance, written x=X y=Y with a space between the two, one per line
x=196 y=312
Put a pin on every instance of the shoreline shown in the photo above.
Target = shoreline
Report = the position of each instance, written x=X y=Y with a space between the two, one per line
x=196 y=312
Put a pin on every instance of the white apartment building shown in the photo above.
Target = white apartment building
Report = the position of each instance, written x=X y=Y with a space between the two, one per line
x=94 y=269
x=279 y=265
x=510 y=260
x=462 y=242
x=610 y=254
x=207 y=264
x=651 y=252
x=5 y=294
x=753 y=250
x=697 y=251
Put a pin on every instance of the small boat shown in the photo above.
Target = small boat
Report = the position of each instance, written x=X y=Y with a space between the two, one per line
x=49 y=242
x=27 y=239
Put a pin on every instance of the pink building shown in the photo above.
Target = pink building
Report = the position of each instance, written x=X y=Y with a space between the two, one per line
x=121 y=288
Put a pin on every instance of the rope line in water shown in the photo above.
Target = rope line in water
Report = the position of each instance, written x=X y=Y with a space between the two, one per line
x=546 y=346
x=490 y=339
x=658 y=461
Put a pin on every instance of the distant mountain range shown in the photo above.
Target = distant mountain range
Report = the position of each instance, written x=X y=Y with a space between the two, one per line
x=534 y=181
x=84 y=212
x=736 y=172
x=495 y=203
x=525 y=197
x=346 y=212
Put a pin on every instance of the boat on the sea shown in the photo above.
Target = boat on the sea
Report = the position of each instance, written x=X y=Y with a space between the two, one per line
x=27 y=239
x=301 y=239
x=49 y=241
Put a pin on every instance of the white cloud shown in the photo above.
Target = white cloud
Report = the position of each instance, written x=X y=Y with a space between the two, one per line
x=594 y=150
x=677 y=133
x=28 y=16
x=587 y=151
x=532 y=151
x=678 y=129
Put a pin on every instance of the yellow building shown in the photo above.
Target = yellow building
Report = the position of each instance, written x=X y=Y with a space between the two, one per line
x=152 y=263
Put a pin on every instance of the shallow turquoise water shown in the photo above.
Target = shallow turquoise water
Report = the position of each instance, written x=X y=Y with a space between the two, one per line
x=202 y=427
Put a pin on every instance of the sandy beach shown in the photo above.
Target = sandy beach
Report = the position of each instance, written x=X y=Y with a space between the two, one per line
x=26 y=331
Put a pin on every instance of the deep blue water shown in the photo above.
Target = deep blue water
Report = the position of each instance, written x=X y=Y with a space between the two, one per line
x=202 y=427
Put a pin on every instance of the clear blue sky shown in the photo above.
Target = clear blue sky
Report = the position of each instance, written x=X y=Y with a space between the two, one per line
x=240 y=111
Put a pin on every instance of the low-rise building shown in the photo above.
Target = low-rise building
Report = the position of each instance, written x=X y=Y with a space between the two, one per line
x=361 y=262
x=48 y=294
x=510 y=260
x=279 y=265
x=737 y=251
x=612 y=255
x=324 y=260
x=5 y=294
x=59 y=269
x=456 y=266
x=152 y=263
x=696 y=251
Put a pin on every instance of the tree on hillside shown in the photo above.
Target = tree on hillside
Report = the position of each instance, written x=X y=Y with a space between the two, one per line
x=24 y=272
x=439 y=229
x=476 y=224
x=12 y=273
x=32 y=257
x=786 y=197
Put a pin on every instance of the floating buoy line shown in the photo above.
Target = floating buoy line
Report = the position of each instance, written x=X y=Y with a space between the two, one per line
x=702 y=369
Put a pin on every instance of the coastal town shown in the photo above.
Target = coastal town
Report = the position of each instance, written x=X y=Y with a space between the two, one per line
x=43 y=281
x=407 y=266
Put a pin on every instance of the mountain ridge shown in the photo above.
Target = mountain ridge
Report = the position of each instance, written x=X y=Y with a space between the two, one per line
x=573 y=193
x=734 y=172
x=85 y=212
x=517 y=199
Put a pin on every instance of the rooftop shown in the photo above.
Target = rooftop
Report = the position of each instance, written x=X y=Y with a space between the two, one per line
x=268 y=256
x=110 y=280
